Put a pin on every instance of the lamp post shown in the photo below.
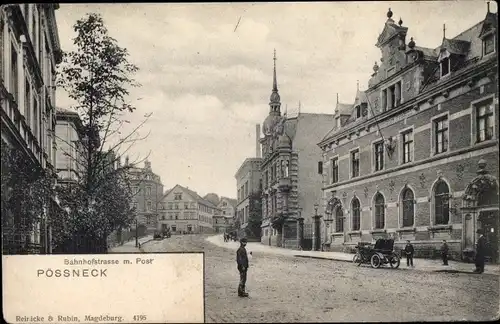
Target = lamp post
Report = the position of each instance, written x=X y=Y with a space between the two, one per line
x=136 y=233
x=317 y=235
x=300 y=229
x=328 y=221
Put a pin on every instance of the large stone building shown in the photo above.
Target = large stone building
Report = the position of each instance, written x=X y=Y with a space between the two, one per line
x=224 y=215
x=290 y=180
x=69 y=159
x=416 y=156
x=29 y=51
x=184 y=211
x=248 y=182
x=147 y=191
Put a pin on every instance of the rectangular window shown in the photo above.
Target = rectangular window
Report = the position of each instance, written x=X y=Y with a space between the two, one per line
x=170 y=205
x=335 y=170
x=489 y=44
x=174 y=228
x=484 y=121
x=379 y=156
x=148 y=206
x=178 y=196
x=407 y=146
x=27 y=104
x=148 y=191
x=36 y=127
x=441 y=135
x=358 y=112
x=176 y=206
x=186 y=205
x=445 y=66
x=355 y=164
x=14 y=84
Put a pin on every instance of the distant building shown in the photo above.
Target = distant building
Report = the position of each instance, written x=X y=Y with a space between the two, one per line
x=184 y=211
x=147 y=191
x=29 y=52
x=290 y=180
x=224 y=217
x=416 y=156
x=248 y=182
x=69 y=159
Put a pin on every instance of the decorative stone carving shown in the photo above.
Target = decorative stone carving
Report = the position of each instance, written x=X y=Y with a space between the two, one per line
x=366 y=192
x=422 y=180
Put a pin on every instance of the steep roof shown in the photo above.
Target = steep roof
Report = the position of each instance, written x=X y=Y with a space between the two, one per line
x=193 y=194
x=231 y=201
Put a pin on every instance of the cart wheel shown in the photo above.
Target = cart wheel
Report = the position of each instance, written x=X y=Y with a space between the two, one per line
x=375 y=261
x=357 y=259
x=394 y=260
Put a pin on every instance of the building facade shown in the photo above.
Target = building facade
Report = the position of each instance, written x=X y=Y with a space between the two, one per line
x=69 y=160
x=30 y=51
x=248 y=182
x=185 y=212
x=290 y=180
x=224 y=217
x=416 y=156
x=147 y=191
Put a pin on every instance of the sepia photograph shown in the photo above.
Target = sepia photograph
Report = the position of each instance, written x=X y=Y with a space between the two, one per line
x=250 y=162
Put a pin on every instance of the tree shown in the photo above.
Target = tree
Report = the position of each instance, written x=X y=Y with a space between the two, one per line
x=26 y=189
x=97 y=76
x=255 y=215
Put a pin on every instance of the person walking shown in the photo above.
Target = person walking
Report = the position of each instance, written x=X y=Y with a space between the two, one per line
x=444 y=253
x=480 y=252
x=409 y=250
x=242 y=261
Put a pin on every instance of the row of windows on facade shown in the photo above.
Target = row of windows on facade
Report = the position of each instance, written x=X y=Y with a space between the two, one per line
x=270 y=205
x=176 y=206
x=484 y=131
x=189 y=228
x=243 y=191
x=33 y=98
x=178 y=216
x=243 y=214
x=441 y=209
x=280 y=169
x=142 y=176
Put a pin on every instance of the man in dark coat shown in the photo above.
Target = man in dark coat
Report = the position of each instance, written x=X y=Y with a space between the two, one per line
x=242 y=260
x=409 y=250
x=480 y=252
x=444 y=252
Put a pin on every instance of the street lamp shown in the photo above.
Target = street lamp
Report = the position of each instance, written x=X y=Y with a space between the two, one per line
x=317 y=235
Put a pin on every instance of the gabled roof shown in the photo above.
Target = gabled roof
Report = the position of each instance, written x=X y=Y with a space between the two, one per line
x=231 y=201
x=193 y=194
x=455 y=46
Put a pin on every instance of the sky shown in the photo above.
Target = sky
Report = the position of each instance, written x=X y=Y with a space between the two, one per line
x=208 y=84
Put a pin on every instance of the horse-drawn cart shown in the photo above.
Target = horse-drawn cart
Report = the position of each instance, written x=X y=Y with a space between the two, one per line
x=381 y=253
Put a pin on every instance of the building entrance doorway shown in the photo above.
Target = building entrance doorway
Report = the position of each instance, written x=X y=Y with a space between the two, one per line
x=489 y=223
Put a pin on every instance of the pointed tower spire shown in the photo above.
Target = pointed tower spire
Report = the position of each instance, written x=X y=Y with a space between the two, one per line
x=337 y=98
x=444 y=30
x=357 y=85
x=275 y=83
x=275 y=97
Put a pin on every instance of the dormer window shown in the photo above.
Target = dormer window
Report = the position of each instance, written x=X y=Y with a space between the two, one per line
x=358 y=112
x=489 y=44
x=445 y=66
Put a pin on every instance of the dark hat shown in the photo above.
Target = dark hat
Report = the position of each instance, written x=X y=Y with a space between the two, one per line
x=243 y=240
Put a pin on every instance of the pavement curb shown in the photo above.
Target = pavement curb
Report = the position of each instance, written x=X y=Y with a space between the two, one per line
x=320 y=258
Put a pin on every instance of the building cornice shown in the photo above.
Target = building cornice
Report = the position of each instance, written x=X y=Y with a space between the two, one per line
x=457 y=80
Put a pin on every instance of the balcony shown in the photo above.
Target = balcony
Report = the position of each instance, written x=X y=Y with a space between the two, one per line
x=285 y=184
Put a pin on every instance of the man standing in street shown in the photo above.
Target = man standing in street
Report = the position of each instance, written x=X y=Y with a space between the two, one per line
x=242 y=260
x=444 y=252
x=480 y=252
x=409 y=253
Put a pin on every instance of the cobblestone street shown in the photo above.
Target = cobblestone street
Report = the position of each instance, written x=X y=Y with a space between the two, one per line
x=287 y=288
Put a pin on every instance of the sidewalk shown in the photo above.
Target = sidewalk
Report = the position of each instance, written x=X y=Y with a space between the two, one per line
x=129 y=247
x=420 y=264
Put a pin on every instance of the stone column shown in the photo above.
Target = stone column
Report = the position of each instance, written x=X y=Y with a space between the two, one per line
x=397 y=94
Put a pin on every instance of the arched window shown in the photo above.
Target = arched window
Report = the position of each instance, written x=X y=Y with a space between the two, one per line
x=441 y=203
x=379 y=211
x=339 y=220
x=356 y=215
x=408 y=210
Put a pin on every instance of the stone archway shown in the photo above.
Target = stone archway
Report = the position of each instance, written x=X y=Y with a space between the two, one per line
x=480 y=211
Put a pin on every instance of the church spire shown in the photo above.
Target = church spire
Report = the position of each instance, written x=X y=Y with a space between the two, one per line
x=275 y=97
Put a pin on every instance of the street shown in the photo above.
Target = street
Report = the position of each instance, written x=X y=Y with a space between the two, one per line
x=290 y=289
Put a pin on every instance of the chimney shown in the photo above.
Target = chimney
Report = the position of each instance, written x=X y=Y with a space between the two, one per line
x=257 y=143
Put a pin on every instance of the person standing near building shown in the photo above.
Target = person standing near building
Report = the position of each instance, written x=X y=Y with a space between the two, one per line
x=409 y=250
x=480 y=252
x=242 y=261
x=444 y=252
